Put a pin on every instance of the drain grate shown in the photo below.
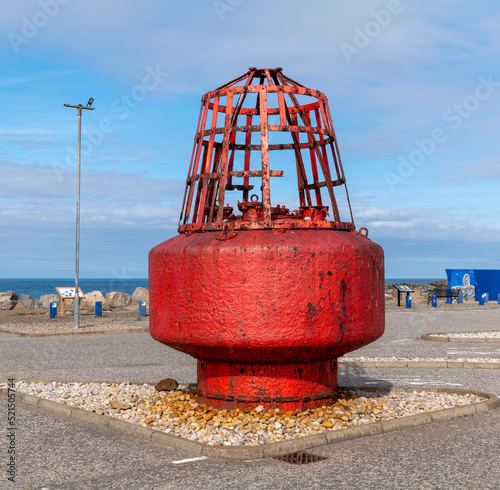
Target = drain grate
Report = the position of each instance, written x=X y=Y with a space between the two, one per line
x=301 y=457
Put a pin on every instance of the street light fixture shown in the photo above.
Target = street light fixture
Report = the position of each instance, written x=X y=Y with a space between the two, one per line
x=76 y=314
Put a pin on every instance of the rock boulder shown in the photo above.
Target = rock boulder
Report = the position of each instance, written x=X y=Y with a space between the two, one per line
x=29 y=302
x=46 y=299
x=141 y=294
x=8 y=300
x=91 y=299
x=117 y=300
x=167 y=384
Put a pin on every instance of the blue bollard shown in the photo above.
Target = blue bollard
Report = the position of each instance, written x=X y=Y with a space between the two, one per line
x=142 y=308
x=53 y=310
x=408 y=301
x=98 y=308
x=461 y=297
x=434 y=301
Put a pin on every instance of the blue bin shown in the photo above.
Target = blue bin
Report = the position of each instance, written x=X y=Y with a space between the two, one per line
x=408 y=301
x=142 y=308
x=53 y=310
x=98 y=308
x=434 y=300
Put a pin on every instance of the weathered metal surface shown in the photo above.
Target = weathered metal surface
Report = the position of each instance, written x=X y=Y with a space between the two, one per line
x=290 y=386
x=266 y=298
x=267 y=302
x=211 y=172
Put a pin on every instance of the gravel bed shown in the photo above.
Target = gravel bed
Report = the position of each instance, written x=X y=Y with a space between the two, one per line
x=495 y=334
x=178 y=413
x=418 y=359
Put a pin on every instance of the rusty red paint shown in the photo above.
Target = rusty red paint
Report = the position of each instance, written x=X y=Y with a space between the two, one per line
x=211 y=172
x=274 y=302
x=266 y=298
x=245 y=385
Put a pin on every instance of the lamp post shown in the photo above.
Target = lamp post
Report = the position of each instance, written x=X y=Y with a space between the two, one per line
x=76 y=306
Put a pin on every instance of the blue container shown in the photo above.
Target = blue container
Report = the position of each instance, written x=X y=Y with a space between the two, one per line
x=98 y=308
x=408 y=301
x=142 y=308
x=478 y=281
x=481 y=300
x=53 y=310
x=434 y=301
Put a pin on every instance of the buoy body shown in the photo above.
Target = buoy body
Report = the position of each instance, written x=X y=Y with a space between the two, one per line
x=267 y=313
x=266 y=297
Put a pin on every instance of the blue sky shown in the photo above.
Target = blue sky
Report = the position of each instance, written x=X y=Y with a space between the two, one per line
x=413 y=88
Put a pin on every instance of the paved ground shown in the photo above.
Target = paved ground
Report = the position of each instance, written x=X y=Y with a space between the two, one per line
x=54 y=452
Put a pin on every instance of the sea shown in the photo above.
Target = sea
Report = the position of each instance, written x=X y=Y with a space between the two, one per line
x=393 y=280
x=38 y=287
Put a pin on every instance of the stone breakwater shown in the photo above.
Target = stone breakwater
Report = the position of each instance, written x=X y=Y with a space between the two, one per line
x=10 y=300
x=178 y=413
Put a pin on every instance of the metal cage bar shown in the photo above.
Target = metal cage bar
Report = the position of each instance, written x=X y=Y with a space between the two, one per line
x=211 y=171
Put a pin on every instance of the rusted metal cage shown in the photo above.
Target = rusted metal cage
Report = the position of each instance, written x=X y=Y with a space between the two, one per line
x=234 y=127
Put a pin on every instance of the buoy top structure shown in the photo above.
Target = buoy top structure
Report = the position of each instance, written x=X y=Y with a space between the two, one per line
x=264 y=290
x=242 y=127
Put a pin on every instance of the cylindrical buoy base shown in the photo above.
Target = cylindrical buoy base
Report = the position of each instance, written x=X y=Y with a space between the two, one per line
x=290 y=387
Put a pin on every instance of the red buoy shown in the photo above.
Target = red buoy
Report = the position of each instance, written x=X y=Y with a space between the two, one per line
x=266 y=298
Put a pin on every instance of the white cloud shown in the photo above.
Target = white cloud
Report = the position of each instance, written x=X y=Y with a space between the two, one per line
x=428 y=224
x=39 y=194
x=13 y=81
x=394 y=91
x=23 y=132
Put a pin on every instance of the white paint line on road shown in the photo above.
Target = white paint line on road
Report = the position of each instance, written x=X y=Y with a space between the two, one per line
x=189 y=460
x=401 y=340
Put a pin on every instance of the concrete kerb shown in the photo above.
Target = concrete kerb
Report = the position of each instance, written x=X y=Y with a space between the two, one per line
x=404 y=422
x=353 y=432
x=274 y=449
x=483 y=365
x=117 y=331
x=443 y=337
x=420 y=364
x=238 y=452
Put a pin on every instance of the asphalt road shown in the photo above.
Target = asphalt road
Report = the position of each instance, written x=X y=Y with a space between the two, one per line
x=55 y=452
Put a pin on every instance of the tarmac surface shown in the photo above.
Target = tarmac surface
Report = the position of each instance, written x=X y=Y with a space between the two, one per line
x=57 y=452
